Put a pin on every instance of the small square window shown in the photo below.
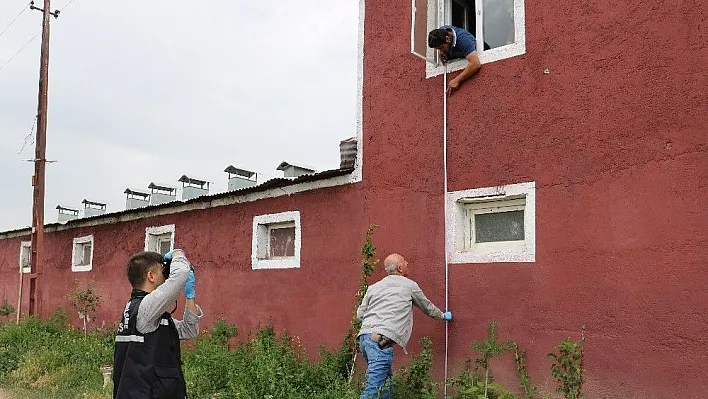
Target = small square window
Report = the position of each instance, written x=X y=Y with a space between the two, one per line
x=82 y=255
x=26 y=256
x=160 y=239
x=276 y=241
x=493 y=224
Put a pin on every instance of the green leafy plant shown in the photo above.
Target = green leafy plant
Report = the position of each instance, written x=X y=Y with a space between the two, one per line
x=6 y=309
x=368 y=264
x=527 y=389
x=471 y=385
x=490 y=348
x=85 y=302
x=222 y=332
x=413 y=380
x=567 y=367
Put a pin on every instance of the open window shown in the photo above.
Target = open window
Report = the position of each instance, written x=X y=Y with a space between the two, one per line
x=498 y=26
x=82 y=255
x=26 y=256
x=276 y=241
x=160 y=239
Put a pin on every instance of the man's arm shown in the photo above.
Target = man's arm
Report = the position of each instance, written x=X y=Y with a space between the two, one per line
x=473 y=66
x=362 y=308
x=159 y=301
x=424 y=304
x=188 y=327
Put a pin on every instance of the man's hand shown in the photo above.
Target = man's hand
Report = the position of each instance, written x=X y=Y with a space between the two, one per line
x=173 y=254
x=452 y=86
x=190 y=287
x=447 y=316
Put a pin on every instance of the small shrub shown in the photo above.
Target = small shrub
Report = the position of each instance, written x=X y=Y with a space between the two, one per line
x=6 y=309
x=413 y=381
x=567 y=367
x=84 y=301
x=472 y=385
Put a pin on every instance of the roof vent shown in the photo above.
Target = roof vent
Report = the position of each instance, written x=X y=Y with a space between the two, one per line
x=92 y=208
x=162 y=193
x=292 y=170
x=240 y=178
x=66 y=214
x=136 y=198
x=193 y=187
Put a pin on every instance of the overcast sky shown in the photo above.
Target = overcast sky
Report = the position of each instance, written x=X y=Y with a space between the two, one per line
x=143 y=91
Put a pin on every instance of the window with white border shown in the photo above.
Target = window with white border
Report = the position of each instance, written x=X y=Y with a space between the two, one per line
x=26 y=256
x=276 y=241
x=82 y=254
x=492 y=224
x=498 y=25
x=160 y=239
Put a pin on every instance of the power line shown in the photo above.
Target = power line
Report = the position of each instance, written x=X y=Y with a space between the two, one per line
x=33 y=37
x=66 y=5
x=19 y=51
x=13 y=21
x=29 y=137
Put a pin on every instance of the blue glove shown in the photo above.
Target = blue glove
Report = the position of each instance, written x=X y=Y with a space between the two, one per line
x=189 y=288
x=168 y=256
x=447 y=316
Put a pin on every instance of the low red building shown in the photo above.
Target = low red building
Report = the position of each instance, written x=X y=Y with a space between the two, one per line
x=577 y=167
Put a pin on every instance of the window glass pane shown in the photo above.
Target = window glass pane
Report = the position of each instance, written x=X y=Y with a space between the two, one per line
x=503 y=226
x=26 y=257
x=282 y=242
x=498 y=22
x=86 y=254
x=164 y=246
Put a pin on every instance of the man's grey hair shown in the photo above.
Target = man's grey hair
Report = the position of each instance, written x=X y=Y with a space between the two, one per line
x=390 y=264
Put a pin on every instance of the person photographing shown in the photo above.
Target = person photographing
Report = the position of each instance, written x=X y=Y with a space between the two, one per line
x=386 y=314
x=147 y=360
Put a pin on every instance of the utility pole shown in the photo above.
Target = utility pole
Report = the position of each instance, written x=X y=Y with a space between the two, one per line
x=39 y=165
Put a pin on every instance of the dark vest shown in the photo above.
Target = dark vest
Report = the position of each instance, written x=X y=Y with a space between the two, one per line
x=147 y=366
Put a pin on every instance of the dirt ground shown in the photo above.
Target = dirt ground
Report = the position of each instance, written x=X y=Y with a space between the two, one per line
x=4 y=395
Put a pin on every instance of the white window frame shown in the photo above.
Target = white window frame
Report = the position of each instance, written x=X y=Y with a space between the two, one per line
x=78 y=242
x=260 y=242
x=26 y=246
x=439 y=14
x=152 y=242
x=463 y=205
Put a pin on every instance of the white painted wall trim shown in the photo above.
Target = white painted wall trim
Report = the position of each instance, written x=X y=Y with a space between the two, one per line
x=28 y=246
x=151 y=232
x=455 y=225
x=258 y=239
x=78 y=241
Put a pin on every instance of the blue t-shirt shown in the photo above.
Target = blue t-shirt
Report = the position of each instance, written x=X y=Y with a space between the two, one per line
x=463 y=43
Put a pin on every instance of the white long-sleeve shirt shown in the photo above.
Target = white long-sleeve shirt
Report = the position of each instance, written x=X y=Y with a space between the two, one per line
x=163 y=299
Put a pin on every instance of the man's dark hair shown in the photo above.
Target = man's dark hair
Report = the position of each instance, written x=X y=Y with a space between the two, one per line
x=138 y=266
x=437 y=37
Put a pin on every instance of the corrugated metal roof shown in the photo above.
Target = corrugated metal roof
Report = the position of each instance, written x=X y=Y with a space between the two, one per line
x=267 y=185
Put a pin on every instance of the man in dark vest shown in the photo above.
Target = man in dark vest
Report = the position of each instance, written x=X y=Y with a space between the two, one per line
x=146 y=361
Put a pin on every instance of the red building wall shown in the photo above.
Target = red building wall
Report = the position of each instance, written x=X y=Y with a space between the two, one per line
x=614 y=136
x=313 y=302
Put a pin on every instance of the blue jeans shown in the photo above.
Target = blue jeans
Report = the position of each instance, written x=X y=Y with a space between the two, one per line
x=378 y=369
